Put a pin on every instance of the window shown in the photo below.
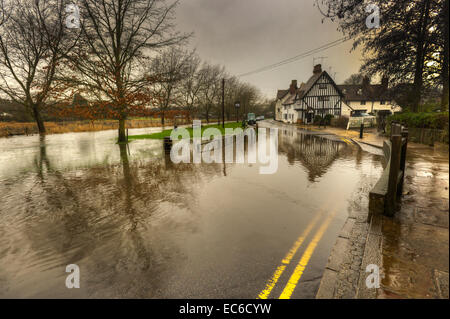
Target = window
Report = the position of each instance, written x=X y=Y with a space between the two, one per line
x=322 y=86
x=359 y=92
x=285 y=116
x=383 y=102
x=363 y=102
x=324 y=98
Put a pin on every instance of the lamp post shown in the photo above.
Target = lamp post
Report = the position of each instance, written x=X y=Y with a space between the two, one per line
x=223 y=102
x=237 y=105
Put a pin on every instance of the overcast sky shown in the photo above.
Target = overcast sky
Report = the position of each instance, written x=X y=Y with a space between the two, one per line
x=244 y=35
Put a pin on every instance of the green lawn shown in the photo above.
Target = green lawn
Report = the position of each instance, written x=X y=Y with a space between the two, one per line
x=161 y=135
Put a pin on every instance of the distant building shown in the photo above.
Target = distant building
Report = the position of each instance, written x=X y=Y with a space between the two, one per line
x=321 y=96
x=369 y=98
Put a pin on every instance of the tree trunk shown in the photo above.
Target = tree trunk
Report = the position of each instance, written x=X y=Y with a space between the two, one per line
x=445 y=64
x=37 y=116
x=162 y=119
x=122 y=134
x=420 y=56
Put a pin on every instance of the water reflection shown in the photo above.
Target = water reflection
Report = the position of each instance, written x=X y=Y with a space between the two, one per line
x=140 y=226
x=316 y=153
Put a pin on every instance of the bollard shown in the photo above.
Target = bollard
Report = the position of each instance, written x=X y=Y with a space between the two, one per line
x=361 y=131
x=167 y=143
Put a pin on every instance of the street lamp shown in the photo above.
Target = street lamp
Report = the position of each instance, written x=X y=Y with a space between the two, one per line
x=237 y=105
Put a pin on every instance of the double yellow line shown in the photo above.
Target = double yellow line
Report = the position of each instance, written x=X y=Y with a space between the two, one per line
x=298 y=272
x=347 y=141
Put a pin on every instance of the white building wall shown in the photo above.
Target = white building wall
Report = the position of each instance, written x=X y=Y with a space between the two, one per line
x=280 y=109
x=289 y=114
x=377 y=106
x=346 y=110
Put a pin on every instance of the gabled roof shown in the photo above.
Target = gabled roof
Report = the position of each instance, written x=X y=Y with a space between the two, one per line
x=304 y=88
x=281 y=94
x=313 y=79
x=290 y=97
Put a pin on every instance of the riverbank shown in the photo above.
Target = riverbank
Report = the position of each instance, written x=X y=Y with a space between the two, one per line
x=17 y=128
x=411 y=249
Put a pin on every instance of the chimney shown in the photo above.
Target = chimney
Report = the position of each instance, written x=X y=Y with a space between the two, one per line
x=317 y=69
x=385 y=82
x=293 y=88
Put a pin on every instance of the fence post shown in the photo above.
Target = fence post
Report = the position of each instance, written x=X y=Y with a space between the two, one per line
x=394 y=169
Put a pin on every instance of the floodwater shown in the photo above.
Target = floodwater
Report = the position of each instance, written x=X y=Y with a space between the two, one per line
x=139 y=226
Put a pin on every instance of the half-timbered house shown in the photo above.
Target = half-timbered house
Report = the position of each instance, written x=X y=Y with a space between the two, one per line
x=318 y=96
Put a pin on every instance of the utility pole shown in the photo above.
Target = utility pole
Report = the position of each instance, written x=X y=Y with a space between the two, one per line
x=223 y=102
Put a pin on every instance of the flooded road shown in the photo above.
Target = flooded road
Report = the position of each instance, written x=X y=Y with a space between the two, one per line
x=139 y=226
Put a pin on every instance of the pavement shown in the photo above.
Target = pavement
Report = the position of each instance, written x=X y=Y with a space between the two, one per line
x=411 y=249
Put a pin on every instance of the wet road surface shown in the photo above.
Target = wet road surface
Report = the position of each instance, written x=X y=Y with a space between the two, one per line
x=139 y=226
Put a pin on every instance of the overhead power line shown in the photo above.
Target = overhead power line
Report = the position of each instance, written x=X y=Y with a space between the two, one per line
x=297 y=57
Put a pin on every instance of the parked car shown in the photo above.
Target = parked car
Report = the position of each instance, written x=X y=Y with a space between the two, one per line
x=251 y=118
x=358 y=118
x=260 y=118
x=361 y=114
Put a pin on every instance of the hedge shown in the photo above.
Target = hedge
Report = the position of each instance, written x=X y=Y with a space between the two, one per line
x=438 y=121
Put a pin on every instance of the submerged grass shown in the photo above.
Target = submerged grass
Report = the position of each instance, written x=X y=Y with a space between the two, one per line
x=167 y=133
x=16 y=128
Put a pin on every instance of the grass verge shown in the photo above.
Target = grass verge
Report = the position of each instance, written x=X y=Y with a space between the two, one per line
x=166 y=133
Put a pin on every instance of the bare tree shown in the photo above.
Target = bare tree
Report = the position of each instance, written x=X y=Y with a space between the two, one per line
x=356 y=78
x=170 y=68
x=210 y=92
x=119 y=38
x=33 y=39
x=191 y=86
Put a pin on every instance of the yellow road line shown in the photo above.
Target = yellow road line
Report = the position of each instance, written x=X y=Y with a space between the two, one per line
x=347 y=141
x=298 y=272
x=287 y=259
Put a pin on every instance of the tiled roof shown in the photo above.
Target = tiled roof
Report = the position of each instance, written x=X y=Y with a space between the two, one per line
x=359 y=92
x=281 y=94
x=290 y=99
